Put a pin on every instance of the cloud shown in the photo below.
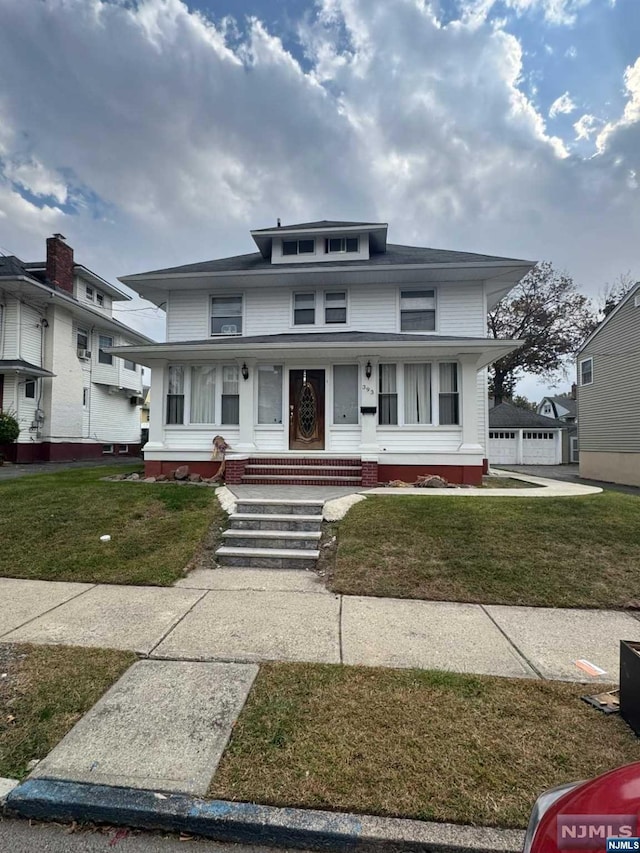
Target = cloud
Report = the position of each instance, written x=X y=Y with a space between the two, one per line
x=586 y=126
x=557 y=12
x=171 y=136
x=564 y=104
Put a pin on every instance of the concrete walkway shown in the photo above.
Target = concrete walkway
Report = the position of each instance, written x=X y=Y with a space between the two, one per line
x=238 y=615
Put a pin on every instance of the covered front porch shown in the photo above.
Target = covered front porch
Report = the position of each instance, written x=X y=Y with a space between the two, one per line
x=357 y=408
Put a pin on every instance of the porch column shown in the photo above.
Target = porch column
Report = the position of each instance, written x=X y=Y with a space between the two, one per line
x=246 y=440
x=369 y=400
x=469 y=404
x=156 y=406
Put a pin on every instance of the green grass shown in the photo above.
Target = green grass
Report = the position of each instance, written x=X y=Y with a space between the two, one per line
x=427 y=745
x=561 y=552
x=50 y=528
x=46 y=691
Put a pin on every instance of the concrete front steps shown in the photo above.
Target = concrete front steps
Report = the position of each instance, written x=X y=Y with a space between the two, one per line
x=302 y=471
x=272 y=534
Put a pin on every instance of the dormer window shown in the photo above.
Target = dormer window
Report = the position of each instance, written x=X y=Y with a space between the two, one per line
x=342 y=244
x=226 y=315
x=89 y=293
x=298 y=247
x=100 y=299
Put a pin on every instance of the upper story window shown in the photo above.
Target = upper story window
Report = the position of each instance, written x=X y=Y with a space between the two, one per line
x=226 y=315
x=104 y=341
x=417 y=310
x=100 y=299
x=342 y=244
x=130 y=365
x=586 y=371
x=335 y=307
x=89 y=293
x=298 y=247
x=82 y=339
x=304 y=309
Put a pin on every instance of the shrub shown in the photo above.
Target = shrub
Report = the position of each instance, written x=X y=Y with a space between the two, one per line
x=9 y=428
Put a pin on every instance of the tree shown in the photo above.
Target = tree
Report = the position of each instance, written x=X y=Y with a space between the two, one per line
x=521 y=402
x=546 y=311
x=611 y=294
x=9 y=428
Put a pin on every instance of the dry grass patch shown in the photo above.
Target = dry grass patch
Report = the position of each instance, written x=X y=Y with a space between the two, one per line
x=155 y=529
x=45 y=692
x=427 y=745
x=558 y=552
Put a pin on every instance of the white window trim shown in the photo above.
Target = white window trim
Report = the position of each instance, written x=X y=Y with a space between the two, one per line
x=213 y=296
x=313 y=325
x=584 y=361
x=217 y=403
x=319 y=307
x=330 y=408
x=106 y=451
x=435 y=397
x=414 y=287
x=347 y=320
x=297 y=241
x=344 y=237
x=284 y=377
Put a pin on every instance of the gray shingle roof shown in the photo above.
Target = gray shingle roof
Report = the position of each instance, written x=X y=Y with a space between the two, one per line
x=395 y=254
x=504 y=415
x=312 y=338
x=321 y=223
x=10 y=266
x=567 y=402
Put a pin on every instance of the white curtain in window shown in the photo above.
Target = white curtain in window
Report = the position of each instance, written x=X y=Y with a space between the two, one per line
x=417 y=393
x=203 y=394
x=230 y=379
x=387 y=379
x=269 y=394
x=387 y=395
x=176 y=379
x=449 y=397
x=345 y=394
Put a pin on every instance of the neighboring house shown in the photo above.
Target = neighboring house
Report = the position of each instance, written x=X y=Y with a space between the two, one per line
x=561 y=408
x=73 y=399
x=609 y=396
x=144 y=413
x=327 y=356
x=522 y=437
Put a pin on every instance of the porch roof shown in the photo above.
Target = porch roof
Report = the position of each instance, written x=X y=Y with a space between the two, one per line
x=19 y=366
x=314 y=345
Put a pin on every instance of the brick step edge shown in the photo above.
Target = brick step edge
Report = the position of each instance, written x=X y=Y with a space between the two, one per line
x=249 y=823
x=330 y=462
x=297 y=480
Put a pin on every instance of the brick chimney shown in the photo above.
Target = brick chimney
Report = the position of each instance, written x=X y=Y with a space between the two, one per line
x=59 y=263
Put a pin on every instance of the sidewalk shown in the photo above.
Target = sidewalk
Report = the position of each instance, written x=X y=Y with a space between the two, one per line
x=251 y=616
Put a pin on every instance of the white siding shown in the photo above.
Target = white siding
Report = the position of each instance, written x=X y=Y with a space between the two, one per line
x=63 y=397
x=407 y=440
x=113 y=419
x=269 y=440
x=344 y=440
x=189 y=438
x=30 y=335
x=10 y=336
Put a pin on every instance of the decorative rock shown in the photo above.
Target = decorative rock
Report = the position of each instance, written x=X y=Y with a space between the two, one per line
x=161 y=478
x=134 y=477
x=150 y=479
x=181 y=473
x=194 y=478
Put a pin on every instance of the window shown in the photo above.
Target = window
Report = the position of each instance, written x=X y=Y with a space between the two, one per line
x=269 y=394
x=387 y=395
x=123 y=448
x=107 y=448
x=586 y=371
x=89 y=294
x=130 y=365
x=304 y=309
x=417 y=393
x=203 y=395
x=230 y=394
x=82 y=339
x=417 y=310
x=449 y=402
x=342 y=244
x=30 y=389
x=345 y=394
x=335 y=307
x=85 y=398
x=298 y=247
x=226 y=315
x=104 y=341
x=501 y=434
x=100 y=299
x=543 y=436
x=175 y=395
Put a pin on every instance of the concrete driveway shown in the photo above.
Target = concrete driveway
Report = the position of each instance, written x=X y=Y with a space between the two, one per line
x=567 y=474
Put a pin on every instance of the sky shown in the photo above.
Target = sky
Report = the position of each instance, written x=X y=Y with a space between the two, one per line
x=153 y=133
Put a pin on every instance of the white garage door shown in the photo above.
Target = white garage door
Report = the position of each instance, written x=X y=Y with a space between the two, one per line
x=502 y=447
x=539 y=448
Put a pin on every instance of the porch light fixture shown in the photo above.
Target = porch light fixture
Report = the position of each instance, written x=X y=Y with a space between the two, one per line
x=245 y=371
x=367 y=370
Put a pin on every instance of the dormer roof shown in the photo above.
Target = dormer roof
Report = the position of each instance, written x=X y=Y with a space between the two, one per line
x=377 y=232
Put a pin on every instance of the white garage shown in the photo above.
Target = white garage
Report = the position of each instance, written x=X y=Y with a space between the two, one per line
x=521 y=437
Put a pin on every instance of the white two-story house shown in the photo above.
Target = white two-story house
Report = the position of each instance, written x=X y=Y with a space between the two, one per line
x=73 y=399
x=326 y=356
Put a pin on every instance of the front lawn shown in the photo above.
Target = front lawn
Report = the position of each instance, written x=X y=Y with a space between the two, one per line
x=427 y=745
x=44 y=690
x=558 y=552
x=50 y=528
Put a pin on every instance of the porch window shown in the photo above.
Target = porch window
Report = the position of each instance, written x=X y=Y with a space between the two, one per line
x=417 y=310
x=269 y=394
x=335 y=307
x=449 y=394
x=175 y=395
x=298 y=247
x=203 y=395
x=417 y=393
x=345 y=394
x=387 y=395
x=230 y=394
x=304 y=309
x=226 y=315
x=104 y=341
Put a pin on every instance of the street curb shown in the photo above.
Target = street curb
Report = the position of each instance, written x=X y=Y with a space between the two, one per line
x=247 y=823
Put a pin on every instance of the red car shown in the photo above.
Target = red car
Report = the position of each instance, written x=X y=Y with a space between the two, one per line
x=581 y=816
